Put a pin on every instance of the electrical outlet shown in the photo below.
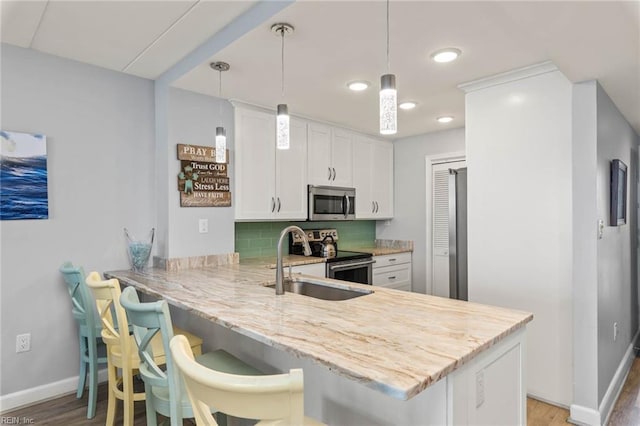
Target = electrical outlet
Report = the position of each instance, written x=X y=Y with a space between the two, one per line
x=615 y=331
x=23 y=342
x=203 y=226
x=479 y=388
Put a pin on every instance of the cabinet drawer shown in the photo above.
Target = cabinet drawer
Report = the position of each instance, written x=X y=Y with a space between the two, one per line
x=404 y=286
x=315 y=269
x=392 y=277
x=391 y=259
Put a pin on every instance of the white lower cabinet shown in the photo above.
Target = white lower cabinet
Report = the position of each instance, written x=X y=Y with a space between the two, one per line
x=491 y=388
x=393 y=271
x=315 y=269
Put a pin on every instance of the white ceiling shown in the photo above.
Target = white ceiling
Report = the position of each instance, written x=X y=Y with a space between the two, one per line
x=339 y=41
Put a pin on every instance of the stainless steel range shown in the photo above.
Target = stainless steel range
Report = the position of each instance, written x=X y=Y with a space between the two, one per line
x=341 y=264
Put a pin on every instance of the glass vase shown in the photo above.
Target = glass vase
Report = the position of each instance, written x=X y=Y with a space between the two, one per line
x=139 y=250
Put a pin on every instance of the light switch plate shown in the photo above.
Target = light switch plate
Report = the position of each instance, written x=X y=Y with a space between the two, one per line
x=600 y=228
x=203 y=226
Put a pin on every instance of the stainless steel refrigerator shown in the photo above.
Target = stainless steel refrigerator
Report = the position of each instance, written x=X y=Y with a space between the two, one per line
x=458 y=234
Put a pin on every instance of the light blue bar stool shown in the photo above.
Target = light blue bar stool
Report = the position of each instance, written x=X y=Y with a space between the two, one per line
x=164 y=389
x=89 y=328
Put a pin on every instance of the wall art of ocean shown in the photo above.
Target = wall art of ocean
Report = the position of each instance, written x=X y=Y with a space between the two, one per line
x=23 y=188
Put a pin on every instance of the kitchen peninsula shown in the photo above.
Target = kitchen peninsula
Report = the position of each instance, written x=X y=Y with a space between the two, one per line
x=389 y=357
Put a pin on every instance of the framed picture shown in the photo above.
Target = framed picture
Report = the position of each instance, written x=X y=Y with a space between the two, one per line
x=23 y=176
x=618 y=193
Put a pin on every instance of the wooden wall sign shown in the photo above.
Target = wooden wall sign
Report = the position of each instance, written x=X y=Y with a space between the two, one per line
x=202 y=182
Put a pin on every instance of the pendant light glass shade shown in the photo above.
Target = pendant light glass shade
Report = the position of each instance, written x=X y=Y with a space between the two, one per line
x=388 y=105
x=282 y=127
x=221 y=145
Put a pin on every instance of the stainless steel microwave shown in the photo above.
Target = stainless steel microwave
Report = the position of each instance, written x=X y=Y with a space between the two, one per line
x=331 y=203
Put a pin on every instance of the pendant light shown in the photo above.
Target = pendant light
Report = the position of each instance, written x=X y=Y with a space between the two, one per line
x=221 y=134
x=388 y=96
x=282 y=116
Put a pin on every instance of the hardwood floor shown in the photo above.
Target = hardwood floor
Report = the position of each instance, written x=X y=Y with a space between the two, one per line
x=67 y=410
x=542 y=414
x=627 y=408
x=626 y=411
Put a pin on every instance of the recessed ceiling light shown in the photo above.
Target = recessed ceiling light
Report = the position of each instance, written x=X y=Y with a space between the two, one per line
x=358 y=86
x=408 y=105
x=445 y=119
x=446 y=55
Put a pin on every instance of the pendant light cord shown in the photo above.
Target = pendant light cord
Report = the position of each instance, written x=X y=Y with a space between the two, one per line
x=220 y=94
x=282 y=30
x=388 y=62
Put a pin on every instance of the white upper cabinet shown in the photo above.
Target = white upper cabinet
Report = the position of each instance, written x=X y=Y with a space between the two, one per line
x=270 y=183
x=329 y=157
x=373 y=178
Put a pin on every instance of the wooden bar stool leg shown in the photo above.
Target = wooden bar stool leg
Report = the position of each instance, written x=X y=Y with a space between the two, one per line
x=127 y=397
x=93 y=382
x=83 y=366
x=111 y=404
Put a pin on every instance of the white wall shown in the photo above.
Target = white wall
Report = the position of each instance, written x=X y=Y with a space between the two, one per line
x=518 y=143
x=193 y=119
x=99 y=128
x=585 y=253
x=605 y=278
x=409 y=222
x=617 y=251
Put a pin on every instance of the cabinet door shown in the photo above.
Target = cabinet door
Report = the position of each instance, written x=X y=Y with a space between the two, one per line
x=290 y=172
x=341 y=155
x=365 y=207
x=382 y=179
x=319 y=154
x=255 y=164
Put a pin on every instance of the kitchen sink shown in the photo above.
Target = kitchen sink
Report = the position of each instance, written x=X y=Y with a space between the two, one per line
x=321 y=289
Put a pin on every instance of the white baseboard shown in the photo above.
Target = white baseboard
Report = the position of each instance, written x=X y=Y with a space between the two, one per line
x=580 y=415
x=588 y=416
x=616 y=385
x=44 y=392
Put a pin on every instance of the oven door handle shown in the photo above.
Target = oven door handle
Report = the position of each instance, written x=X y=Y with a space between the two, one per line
x=351 y=265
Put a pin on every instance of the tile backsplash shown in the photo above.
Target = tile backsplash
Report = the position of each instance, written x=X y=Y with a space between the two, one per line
x=255 y=239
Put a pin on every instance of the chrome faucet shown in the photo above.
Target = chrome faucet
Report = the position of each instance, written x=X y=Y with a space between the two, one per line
x=279 y=267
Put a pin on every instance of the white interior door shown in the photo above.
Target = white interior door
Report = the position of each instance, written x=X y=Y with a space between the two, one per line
x=440 y=227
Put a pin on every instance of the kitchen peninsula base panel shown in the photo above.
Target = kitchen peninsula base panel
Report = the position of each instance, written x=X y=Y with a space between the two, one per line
x=338 y=400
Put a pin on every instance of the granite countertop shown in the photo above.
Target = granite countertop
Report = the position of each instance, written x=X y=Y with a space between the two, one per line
x=288 y=260
x=376 y=250
x=382 y=247
x=394 y=341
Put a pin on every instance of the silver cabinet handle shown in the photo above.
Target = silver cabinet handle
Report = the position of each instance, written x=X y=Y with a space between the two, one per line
x=329 y=168
x=377 y=207
x=273 y=204
x=373 y=207
x=334 y=173
x=278 y=204
x=393 y=260
x=392 y=278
